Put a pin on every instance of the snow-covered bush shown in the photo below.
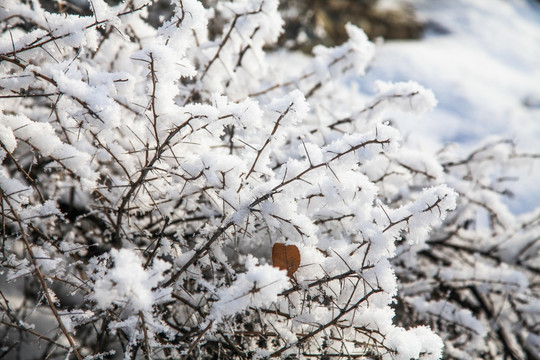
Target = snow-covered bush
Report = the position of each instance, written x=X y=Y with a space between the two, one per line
x=475 y=280
x=147 y=173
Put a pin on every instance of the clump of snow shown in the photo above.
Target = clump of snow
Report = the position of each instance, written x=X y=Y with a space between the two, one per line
x=7 y=138
x=258 y=286
x=42 y=136
x=419 y=342
x=127 y=283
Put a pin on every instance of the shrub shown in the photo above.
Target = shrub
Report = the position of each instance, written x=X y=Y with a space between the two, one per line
x=147 y=173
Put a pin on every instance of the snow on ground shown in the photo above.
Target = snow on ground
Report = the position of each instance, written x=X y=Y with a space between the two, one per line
x=482 y=60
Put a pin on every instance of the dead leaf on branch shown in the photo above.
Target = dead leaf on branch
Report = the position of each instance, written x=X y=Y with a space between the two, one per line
x=286 y=257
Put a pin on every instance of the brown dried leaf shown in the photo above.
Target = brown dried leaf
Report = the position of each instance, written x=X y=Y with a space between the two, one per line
x=286 y=257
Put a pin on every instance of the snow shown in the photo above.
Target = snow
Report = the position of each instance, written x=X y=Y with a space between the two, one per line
x=409 y=344
x=127 y=282
x=259 y=286
x=448 y=311
x=48 y=208
x=7 y=139
x=42 y=137
x=482 y=61
x=333 y=61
